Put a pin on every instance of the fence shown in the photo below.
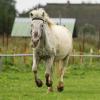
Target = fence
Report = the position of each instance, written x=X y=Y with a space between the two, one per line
x=23 y=55
x=81 y=57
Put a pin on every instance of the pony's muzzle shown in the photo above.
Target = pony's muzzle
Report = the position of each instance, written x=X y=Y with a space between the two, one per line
x=35 y=43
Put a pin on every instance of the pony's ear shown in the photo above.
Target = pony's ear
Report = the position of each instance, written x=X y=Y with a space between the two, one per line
x=43 y=14
x=30 y=14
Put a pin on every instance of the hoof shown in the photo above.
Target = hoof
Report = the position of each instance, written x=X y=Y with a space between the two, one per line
x=39 y=83
x=60 y=87
x=48 y=83
x=50 y=89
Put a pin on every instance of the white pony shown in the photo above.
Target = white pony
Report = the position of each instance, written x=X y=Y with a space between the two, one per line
x=51 y=43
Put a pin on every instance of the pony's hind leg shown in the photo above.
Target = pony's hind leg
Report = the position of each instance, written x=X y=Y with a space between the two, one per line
x=62 y=65
x=60 y=86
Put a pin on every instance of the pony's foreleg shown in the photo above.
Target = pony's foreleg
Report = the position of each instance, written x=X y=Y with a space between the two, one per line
x=34 y=69
x=48 y=73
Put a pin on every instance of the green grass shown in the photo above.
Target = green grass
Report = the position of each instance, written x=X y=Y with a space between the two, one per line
x=82 y=82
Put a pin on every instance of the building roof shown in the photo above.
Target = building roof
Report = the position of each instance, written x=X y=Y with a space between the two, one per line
x=21 y=27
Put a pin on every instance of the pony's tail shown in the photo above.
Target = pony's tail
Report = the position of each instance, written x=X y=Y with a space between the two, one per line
x=57 y=69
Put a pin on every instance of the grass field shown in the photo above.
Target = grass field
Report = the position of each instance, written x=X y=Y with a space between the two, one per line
x=82 y=82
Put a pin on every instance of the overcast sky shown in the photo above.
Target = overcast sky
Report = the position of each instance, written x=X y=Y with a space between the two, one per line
x=23 y=5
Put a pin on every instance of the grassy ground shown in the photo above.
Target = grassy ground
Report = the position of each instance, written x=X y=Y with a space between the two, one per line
x=82 y=82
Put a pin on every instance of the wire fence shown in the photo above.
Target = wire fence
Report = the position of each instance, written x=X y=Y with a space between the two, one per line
x=24 y=59
x=22 y=55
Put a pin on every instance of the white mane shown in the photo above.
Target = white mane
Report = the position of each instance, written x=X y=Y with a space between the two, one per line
x=41 y=13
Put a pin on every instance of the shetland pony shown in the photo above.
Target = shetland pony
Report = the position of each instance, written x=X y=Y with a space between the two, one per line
x=50 y=42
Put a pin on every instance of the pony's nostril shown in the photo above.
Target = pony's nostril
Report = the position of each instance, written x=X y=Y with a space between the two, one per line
x=35 y=34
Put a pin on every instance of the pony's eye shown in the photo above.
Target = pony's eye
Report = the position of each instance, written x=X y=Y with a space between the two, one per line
x=42 y=25
x=31 y=32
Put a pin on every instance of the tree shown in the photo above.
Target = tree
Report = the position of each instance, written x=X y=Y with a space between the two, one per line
x=7 y=16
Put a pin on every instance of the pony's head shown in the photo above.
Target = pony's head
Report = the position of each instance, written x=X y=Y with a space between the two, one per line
x=37 y=25
x=39 y=18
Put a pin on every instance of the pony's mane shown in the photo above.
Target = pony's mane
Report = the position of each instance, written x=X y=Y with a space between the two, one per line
x=41 y=13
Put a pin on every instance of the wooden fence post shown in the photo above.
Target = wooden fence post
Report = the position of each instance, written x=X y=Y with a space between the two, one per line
x=14 y=52
x=0 y=60
x=91 y=58
x=25 y=50
x=99 y=53
x=3 y=39
x=81 y=53
x=25 y=57
x=73 y=56
x=81 y=57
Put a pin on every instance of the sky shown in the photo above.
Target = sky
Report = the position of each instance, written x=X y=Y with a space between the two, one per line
x=24 y=5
